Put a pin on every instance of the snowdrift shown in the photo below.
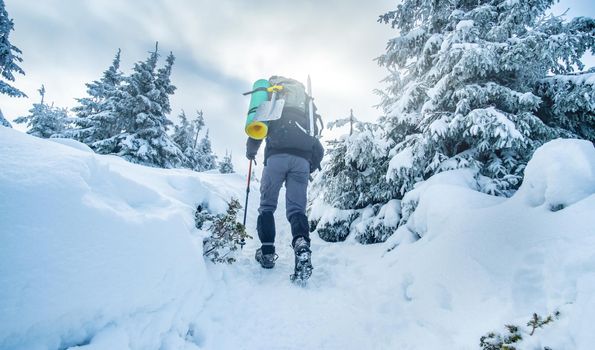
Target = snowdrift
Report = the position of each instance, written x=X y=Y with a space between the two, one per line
x=483 y=262
x=93 y=248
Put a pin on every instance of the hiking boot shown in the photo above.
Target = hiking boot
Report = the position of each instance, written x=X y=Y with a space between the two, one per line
x=303 y=262
x=267 y=261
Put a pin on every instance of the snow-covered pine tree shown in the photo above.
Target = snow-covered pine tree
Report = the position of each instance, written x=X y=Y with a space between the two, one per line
x=97 y=123
x=199 y=123
x=10 y=56
x=569 y=102
x=353 y=182
x=461 y=85
x=3 y=121
x=43 y=120
x=184 y=137
x=164 y=85
x=226 y=166
x=205 y=158
x=143 y=107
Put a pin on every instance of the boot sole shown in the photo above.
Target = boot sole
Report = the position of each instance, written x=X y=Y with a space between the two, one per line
x=303 y=268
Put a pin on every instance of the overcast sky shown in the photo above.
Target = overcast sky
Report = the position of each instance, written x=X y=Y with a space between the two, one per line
x=221 y=48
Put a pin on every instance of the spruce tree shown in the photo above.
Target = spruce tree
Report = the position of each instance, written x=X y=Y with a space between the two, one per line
x=186 y=136
x=45 y=121
x=569 y=102
x=97 y=123
x=461 y=85
x=10 y=56
x=143 y=107
x=471 y=84
x=353 y=180
x=3 y=121
x=206 y=159
x=183 y=136
x=226 y=166
x=356 y=168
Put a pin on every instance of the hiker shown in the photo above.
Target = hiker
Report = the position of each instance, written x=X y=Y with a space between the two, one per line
x=290 y=155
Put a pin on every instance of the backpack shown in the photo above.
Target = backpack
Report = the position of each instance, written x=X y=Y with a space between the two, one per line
x=294 y=92
x=297 y=100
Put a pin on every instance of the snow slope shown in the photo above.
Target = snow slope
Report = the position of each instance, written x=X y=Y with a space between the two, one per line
x=92 y=244
x=97 y=253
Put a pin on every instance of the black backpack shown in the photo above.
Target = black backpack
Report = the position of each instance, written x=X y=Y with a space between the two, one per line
x=297 y=103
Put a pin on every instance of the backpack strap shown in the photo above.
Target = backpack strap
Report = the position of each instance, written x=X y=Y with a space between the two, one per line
x=270 y=89
x=318 y=118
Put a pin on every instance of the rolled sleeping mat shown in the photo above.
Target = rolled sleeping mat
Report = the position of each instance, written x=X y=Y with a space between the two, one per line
x=257 y=129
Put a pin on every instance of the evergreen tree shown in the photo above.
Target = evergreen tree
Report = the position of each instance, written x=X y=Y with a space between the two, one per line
x=3 y=121
x=462 y=76
x=186 y=136
x=226 y=166
x=184 y=133
x=471 y=84
x=206 y=159
x=353 y=181
x=199 y=123
x=43 y=120
x=97 y=122
x=569 y=102
x=10 y=56
x=355 y=173
x=143 y=106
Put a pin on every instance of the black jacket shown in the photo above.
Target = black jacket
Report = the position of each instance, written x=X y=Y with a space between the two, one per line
x=289 y=135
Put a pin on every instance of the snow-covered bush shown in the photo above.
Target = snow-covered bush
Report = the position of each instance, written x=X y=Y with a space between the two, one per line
x=331 y=224
x=335 y=231
x=376 y=223
x=226 y=234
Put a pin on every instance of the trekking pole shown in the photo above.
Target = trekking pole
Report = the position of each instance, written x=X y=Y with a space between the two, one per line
x=246 y=203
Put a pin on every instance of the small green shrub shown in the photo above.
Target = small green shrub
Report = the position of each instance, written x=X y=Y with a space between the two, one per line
x=512 y=336
x=227 y=235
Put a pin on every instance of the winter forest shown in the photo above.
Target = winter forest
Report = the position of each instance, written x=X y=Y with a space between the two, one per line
x=458 y=215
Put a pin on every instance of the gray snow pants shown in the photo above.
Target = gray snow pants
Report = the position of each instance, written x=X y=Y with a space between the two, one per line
x=294 y=172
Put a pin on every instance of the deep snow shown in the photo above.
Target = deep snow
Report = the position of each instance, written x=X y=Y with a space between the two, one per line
x=98 y=253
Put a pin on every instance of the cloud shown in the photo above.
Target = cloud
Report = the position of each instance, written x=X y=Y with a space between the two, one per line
x=221 y=48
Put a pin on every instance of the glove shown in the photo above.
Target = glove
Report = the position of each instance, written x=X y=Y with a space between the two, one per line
x=252 y=148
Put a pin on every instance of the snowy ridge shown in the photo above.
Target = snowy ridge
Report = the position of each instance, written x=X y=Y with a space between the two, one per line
x=97 y=253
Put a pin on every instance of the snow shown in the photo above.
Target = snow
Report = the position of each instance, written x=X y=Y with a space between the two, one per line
x=89 y=243
x=465 y=24
x=577 y=79
x=403 y=159
x=560 y=174
x=98 y=253
x=72 y=143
